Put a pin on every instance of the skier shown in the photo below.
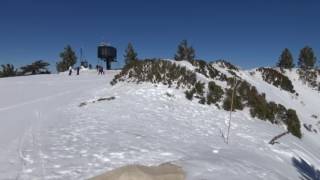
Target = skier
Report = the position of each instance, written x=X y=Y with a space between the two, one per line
x=70 y=71
x=101 y=72
x=78 y=70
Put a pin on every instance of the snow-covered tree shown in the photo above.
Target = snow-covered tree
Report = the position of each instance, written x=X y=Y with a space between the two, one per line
x=184 y=52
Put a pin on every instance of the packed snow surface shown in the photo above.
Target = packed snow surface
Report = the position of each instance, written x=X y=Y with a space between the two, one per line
x=46 y=134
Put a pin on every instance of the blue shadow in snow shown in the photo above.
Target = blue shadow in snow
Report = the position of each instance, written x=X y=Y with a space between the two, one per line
x=307 y=171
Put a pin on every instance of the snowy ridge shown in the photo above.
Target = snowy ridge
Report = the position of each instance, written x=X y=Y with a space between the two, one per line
x=273 y=94
x=46 y=135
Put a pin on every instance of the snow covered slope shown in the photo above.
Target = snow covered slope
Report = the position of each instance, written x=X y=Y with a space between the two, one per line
x=61 y=127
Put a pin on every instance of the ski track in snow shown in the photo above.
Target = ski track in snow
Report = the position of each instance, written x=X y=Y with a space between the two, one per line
x=142 y=125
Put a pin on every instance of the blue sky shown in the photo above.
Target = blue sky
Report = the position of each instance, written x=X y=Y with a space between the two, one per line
x=248 y=33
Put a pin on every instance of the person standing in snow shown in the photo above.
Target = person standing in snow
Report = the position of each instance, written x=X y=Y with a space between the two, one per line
x=101 y=72
x=78 y=70
x=97 y=68
x=70 y=71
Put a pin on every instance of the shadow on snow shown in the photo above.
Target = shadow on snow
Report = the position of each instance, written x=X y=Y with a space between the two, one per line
x=307 y=171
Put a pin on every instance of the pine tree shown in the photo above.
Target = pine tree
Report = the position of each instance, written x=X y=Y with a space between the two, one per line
x=68 y=58
x=215 y=93
x=307 y=58
x=130 y=54
x=37 y=67
x=8 y=70
x=293 y=123
x=286 y=59
x=184 y=52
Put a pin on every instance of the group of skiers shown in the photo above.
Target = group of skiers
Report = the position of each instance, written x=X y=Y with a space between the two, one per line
x=99 y=70
x=77 y=69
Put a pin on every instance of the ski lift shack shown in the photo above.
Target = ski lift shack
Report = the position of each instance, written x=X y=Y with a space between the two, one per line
x=108 y=54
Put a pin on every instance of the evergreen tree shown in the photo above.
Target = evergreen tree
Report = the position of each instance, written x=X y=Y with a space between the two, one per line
x=8 y=70
x=285 y=60
x=68 y=58
x=37 y=67
x=130 y=54
x=215 y=93
x=307 y=58
x=184 y=52
x=293 y=123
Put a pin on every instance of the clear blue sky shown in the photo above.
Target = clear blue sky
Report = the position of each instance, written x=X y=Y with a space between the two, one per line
x=248 y=33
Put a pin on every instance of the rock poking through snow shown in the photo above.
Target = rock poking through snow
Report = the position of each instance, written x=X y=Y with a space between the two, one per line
x=137 y=172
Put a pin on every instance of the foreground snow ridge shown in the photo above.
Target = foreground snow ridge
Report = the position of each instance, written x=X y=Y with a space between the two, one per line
x=46 y=134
